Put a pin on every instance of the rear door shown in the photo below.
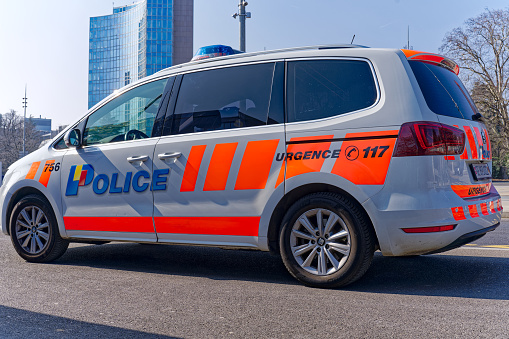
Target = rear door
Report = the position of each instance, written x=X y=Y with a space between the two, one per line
x=220 y=147
x=330 y=136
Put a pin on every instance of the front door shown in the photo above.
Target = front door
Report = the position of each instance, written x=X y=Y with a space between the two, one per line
x=107 y=184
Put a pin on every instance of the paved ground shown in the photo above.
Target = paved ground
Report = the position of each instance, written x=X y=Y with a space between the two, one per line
x=156 y=291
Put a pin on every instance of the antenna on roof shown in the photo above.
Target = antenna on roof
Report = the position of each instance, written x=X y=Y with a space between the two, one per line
x=352 y=39
x=408 y=39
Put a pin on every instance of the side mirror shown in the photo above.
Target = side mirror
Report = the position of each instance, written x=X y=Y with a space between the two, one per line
x=73 y=138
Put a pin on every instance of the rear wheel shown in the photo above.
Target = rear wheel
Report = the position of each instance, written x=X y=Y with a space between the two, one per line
x=34 y=230
x=326 y=241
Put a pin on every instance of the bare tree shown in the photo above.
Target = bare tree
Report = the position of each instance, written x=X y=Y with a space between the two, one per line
x=481 y=48
x=11 y=138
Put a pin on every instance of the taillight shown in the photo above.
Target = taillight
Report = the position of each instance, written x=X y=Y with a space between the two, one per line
x=429 y=138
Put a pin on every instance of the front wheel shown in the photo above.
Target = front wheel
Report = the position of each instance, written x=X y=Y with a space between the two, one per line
x=326 y=241
x=34 y=230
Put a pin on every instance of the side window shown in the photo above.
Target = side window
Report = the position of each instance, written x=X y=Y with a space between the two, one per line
x=325 y=88
x=223 y=98
x=60 y=144
x=127 y=117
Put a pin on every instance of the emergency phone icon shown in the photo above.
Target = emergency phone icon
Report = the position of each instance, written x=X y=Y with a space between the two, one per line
x=352 y=153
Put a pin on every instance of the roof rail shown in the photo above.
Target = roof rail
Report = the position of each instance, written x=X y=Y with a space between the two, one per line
x=244 y=55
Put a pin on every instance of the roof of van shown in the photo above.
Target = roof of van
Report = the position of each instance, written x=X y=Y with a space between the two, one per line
x=259 y=53
x=222 y=60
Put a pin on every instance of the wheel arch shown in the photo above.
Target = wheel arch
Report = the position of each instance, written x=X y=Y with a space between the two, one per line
x=17 y=196
x=295 y=194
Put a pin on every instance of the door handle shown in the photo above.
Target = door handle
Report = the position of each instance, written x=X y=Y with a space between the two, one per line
x=137 y=158
x=172 y=155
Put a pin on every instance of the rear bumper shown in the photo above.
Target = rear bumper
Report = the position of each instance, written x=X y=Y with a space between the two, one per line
x=470 y=222
x=465 y=239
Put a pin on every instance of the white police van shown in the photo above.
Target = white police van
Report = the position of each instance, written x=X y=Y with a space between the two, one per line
x=322 y=154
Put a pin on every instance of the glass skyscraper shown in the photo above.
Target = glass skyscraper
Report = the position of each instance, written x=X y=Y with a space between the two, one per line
x=135 y=41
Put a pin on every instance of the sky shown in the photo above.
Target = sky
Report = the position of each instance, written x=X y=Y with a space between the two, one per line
x=44 y=44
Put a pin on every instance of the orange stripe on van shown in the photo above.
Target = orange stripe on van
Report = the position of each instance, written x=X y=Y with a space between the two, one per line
x=467 y=191
x=239 y=226
x=471 y=142
x=428 y=57
x=219 y=167
x=464 y=155
x=479 y=140
x=256 y=163
x=365 y=162
x=472 y=209
x=484 y=208
x=46 y=173
x=409 y=52
x=300 y=166
x=487 y=139
x=457 y=213
x=110 y=224
x=492 y=207
x=33 y=170
x=192 y=168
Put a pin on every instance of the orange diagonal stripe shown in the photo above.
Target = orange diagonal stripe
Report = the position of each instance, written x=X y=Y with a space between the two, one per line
x=219 y=167
x=256 y=163
x=479 y=139
x=471 y=142
x=192 y=168
x=46 y=173
x=33 y=170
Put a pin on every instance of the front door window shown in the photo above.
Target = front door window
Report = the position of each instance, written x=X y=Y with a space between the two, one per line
x=130 y=116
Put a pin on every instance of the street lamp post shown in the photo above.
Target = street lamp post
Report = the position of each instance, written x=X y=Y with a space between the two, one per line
x=24 y=117
x=243 y=15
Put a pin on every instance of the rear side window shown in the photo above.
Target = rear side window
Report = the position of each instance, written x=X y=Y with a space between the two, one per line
x=224 y=98
x=325 y=88
x=443 y=91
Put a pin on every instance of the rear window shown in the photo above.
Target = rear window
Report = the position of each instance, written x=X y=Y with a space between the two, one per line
x=443 y=91
x=325 y=88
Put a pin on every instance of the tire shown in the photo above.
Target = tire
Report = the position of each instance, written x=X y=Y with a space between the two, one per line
x=334 y=253
x=34 y=230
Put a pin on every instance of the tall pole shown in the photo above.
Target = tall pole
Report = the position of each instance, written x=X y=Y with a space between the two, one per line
x=242 y=22
x=242 y=14
x=24 y=117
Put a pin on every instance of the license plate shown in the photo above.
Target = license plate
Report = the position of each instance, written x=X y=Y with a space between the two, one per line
x=480 y=171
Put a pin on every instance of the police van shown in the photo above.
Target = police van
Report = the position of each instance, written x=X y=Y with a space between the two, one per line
x=320 y=154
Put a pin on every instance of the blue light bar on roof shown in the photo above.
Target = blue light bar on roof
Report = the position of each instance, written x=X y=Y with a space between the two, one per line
x=214 y=51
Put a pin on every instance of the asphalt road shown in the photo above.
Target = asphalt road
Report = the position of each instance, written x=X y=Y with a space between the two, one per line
x=155 y=291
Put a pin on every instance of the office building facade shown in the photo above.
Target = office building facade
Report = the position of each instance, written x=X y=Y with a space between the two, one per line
x=135 y=41
x=42 y=125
